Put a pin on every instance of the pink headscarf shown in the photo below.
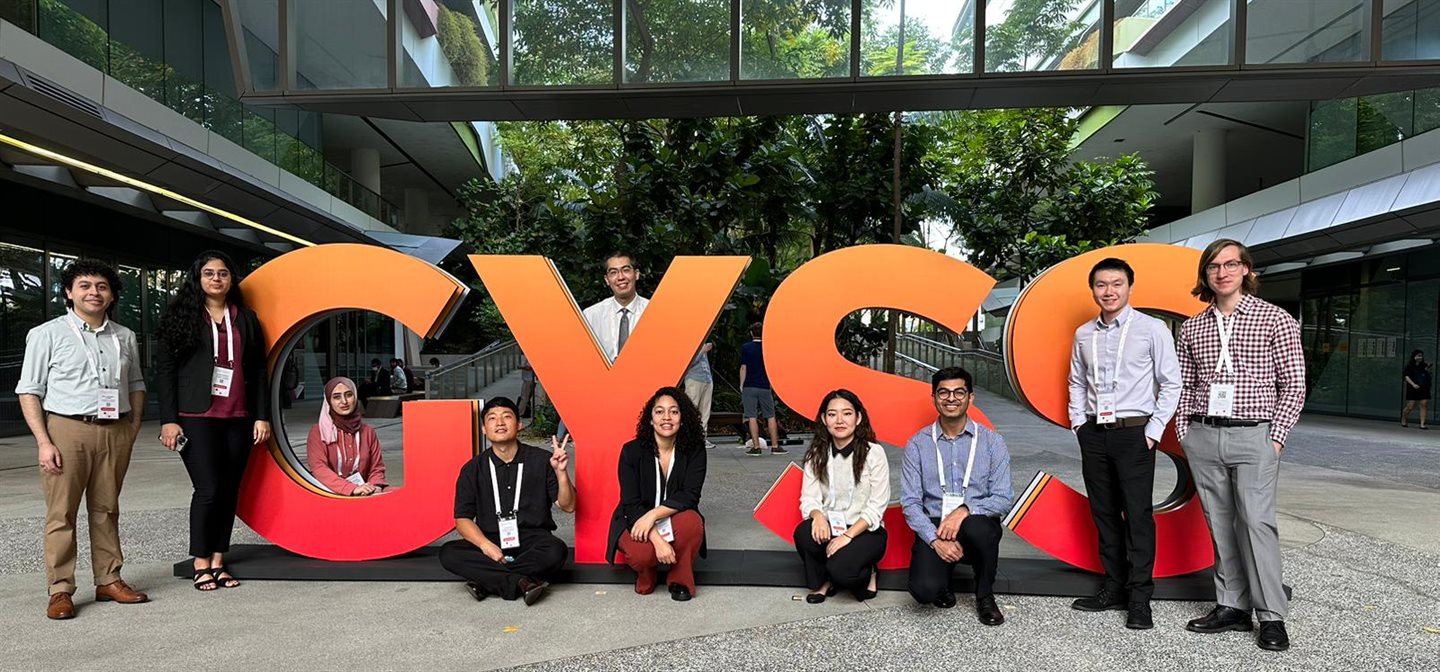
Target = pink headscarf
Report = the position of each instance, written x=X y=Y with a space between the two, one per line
x=332 y=423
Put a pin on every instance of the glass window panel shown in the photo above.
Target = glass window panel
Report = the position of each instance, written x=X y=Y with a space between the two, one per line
x=1163 y=33
x=1427 y=110
x=562 y=42
x=1411 y=30
x=22 y=306
x=1333 y=129
x=137 y=49
x=58 y=264
x=677 y=40
x=939 y=38
x=460 y=47
x=1307 y=31
x=260 y=132
x=184 y=38
x=1034 y=35
x=260 y=23
x=1377 y=333
x=339 y=44
x=19 y=12
x=129 y=310
x=1325 y=335
x=1383 y=120
x=78 y=27
x=785 y=39
x=1422 y=320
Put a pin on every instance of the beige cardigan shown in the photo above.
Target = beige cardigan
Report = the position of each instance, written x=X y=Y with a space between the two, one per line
x=871 y=495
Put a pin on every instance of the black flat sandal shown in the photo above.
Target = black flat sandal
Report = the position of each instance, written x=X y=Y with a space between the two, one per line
x=231 y=582
x=200 y=584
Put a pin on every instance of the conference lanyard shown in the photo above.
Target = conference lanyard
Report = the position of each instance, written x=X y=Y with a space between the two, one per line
x=229 y=340
x=661 y=492
x=940 y=461
x=495 y=488
x=92 y=357
x=1119 y=355
x=1224 y=364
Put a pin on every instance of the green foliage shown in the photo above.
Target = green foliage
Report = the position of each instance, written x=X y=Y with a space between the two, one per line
x=460 y=42
x=1033 y=31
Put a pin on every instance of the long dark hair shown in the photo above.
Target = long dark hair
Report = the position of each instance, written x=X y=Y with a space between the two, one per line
x=180 y=326
x=1412 y=364
x=818 y=455
x=691 y=438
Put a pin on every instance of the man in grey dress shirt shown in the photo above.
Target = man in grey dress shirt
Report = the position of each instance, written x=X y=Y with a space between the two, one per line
x=1124 y=388
x=82 y=393
x=954 y=488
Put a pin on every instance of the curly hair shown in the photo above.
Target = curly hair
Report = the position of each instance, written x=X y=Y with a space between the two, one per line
x=180 y=325
x=93 y=268
x=691 y=438
x=818 y=455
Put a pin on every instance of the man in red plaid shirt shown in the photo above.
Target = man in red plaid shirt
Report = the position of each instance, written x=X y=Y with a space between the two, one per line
x=1244 y=385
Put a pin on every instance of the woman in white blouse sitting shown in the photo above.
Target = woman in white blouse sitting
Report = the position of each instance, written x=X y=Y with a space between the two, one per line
x=843 y=499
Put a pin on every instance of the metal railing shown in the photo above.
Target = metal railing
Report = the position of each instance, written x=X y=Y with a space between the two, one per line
x=466 y=378
x=918 y=357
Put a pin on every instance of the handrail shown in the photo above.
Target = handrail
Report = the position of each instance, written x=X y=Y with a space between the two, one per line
x=468 y=377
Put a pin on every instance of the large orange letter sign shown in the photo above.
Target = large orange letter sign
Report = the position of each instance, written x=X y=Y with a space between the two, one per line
x=1038 y=339
x=804 y=364
x=601 y=402
x=288 y=293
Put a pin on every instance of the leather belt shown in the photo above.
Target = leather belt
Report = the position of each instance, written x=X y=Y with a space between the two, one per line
x=1222 y=421
x=1122 y=423
x=93 y=420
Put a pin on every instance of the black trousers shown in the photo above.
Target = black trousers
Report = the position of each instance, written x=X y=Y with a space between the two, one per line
x=215 y=457
x=930 y=576
x=1119 y=470
x=540 y=556
x=849 y=568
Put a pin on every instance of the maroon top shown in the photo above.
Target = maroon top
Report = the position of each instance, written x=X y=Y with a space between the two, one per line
x=232 y=406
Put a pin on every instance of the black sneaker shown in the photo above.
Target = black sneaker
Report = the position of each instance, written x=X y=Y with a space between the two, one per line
x=1138 y=616
x=475 y=590
x=1105 y=600
x=754 y=452
x=779 y=451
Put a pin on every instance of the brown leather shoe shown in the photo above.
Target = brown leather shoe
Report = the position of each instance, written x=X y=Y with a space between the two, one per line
x=118 y=591
x=61 y=607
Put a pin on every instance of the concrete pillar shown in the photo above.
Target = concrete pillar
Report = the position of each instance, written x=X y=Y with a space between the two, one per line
x=417 y=212
x=1207 y=175
x=365 y=167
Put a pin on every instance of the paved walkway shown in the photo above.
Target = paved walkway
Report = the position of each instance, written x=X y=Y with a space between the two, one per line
x=1357 y=500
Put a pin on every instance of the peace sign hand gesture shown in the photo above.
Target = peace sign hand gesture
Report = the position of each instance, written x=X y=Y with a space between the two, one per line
x=559 y=459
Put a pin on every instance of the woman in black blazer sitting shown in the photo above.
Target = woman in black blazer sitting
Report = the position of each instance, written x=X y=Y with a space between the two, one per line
x=214 y=399
x=657 y=521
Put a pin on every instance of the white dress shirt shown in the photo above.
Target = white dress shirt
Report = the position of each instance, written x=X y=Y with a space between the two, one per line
x=604 y=321
x=1146 y=383
x=866 y=499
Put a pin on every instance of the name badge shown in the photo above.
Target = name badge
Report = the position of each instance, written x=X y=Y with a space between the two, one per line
x=1105 y=408
x=950 y=503
x=109 y=404
x=509 y=532
x=1222 y=400
x=838 y=526
x=356 y=478
x=666 y=530
x=220 y=382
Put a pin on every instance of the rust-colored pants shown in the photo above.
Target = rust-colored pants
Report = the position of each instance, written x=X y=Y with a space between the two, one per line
x=640 y=555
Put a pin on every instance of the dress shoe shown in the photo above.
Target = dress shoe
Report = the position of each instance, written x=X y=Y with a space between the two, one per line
x=1272 y=636
x=946 y=600
x=1138 y=616
x=988 y=612
x=61 y=607
x=1104 y=600
x=475 y=590
x=119 y=591
x=531 y=589
x=679 y=593
x=1222 y=619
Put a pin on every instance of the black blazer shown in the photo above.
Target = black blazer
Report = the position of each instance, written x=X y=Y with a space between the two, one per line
x=182 y=380
x=638 y=486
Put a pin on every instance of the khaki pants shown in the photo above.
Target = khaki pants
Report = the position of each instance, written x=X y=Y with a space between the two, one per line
x=93 y=462
x=701 y=394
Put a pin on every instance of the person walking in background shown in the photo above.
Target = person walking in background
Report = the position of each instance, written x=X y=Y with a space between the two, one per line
x=1417 y=389
x=757 y=400
x=700 y=387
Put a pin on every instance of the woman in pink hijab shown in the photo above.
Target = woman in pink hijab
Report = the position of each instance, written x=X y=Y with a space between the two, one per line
x=343 y=451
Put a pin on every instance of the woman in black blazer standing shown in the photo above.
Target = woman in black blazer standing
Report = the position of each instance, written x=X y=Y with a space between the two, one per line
x=214 y=402
x=657 y=521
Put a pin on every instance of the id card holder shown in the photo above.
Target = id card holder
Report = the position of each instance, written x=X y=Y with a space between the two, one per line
x=220 y=381
x=509 y=532
x=951 y=502
x=1222 y=400
x=666 y=530
x=838 y=526
x=356 y=478
x=1105 y=408
x=109 y=406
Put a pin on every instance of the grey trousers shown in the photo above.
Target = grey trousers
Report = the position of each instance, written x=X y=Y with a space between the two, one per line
x=1236 y=470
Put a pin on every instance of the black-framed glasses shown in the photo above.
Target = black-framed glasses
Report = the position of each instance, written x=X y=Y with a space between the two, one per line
x=947 y=393
x=623 y=270
x=1229 y=266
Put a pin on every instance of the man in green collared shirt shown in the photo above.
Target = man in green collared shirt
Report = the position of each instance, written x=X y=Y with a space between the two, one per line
x=82 y=392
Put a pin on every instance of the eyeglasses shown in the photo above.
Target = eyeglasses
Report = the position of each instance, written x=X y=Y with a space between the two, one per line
x=212 y=273
x=623 y=270
x=1229 y=266
x=947 y=393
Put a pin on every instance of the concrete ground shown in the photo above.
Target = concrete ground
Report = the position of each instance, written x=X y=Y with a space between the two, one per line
x=1358 y=502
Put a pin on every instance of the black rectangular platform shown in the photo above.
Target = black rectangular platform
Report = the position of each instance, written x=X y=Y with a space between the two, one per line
x=1019 y=576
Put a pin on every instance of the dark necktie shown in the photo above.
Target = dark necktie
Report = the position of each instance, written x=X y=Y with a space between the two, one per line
x=624 y=330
